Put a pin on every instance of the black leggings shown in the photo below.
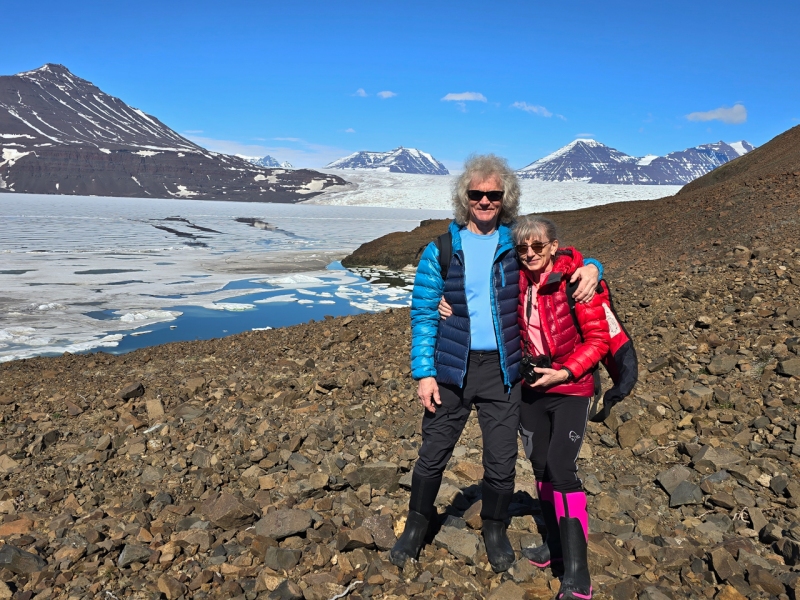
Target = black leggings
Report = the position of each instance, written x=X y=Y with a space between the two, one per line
x=552 y=429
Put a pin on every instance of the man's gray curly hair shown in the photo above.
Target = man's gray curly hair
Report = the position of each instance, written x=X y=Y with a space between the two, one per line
x=483 y=167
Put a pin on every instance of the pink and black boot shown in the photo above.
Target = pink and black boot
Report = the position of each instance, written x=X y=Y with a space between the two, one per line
x=550 y=550
x=573 y=521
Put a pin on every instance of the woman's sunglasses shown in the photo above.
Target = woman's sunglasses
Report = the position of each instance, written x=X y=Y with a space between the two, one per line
x=537 y=247
x=477 y=195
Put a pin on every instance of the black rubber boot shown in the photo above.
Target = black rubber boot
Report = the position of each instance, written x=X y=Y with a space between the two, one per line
x=550 y=550
x=494 y=512
x=410 y=543
x=498 y=547
x=577 y=583
x=421 y=513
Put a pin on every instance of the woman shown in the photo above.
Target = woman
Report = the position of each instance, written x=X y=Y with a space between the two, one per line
x=473 y=357
x=555 y=398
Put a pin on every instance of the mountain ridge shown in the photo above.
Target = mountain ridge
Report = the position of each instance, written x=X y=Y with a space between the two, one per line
x=399 y=160
x=61 y=134
x=592 y=161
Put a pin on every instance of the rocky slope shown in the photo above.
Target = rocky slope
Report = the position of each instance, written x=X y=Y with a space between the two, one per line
x=399 y=160
x=592 y=161
x=60 y=134
x=275 y=464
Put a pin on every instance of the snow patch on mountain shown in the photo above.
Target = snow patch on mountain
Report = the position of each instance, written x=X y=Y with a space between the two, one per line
x=399 y=160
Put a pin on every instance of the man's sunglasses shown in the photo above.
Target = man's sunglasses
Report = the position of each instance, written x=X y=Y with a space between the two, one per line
x=537 y=247
x=477 y=195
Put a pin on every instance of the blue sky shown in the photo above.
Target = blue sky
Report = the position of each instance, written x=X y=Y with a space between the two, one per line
x=302 y=80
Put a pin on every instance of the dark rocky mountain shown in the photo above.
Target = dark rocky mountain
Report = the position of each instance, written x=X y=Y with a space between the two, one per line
x=60 y=134
x=399 y=160
x=594 y=162
x=268 y=162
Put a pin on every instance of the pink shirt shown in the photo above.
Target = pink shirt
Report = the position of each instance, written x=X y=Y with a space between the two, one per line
x=534 y=325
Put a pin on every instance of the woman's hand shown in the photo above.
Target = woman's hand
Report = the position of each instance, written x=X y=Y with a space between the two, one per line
x=428 y=392
x=550 y=377
x=445 y=310
x=589 y=275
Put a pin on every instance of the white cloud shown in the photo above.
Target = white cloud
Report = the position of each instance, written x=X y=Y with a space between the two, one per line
x=386 y=94
x=465 y=97
x=302 y=154
x=584 y=135
x=361 y=93
x=349 y=130
x=734 y=115
x=533 y=109
x=287 y=139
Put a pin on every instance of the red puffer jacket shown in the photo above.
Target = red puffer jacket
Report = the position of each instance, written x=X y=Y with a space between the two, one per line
x=559 y=334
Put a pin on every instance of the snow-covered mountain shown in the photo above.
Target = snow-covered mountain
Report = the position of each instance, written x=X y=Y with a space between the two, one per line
x=399 y=160
x=589 y=160
x=60 y=134
x=267 y=161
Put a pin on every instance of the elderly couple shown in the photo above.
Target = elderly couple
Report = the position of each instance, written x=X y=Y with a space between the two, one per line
x=496 y=331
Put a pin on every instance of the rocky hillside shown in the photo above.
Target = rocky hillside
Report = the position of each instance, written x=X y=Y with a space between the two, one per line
x=60 y=134
x=275 y=464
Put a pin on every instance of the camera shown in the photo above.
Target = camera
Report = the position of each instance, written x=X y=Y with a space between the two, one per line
x=528 y=363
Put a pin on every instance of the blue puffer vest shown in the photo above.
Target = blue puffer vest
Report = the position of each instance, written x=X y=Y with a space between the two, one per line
x=440 y=348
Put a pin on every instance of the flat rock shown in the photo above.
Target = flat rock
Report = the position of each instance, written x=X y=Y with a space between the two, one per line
x=7 y=464
x=282 y=559
x=171 y=587
x=287 y=590
x=350 y=539
x=628 y=434
x=508 y=590
x=685 y=493
x=382 y=530
x=672 y=477
x=380 y=475
x=131 y=390
x=132 y=553
x=710 y=459
x=722 y=364
x=227 y=512
x=19 y=561
x=460 y=543
x=282 y=523
x=789 y=368
x=724 y=565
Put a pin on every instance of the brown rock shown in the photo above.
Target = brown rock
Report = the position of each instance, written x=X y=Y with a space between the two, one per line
x=131 y=390
x=350 y=539
x=155 y=410
x=171 y=587
x=469 y=470
x=227 y=512
x=729 y=593
x=507 y=590
x=724 y=565
x=628 y=434
x=18 y=527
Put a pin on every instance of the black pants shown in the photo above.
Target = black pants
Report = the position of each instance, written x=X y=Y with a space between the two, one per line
x=552 y=429
x=498 y=415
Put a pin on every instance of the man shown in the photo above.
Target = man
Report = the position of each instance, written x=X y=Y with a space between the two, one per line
x=472 y=357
